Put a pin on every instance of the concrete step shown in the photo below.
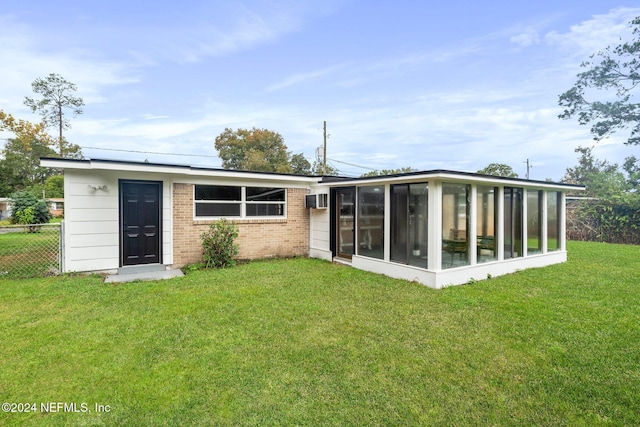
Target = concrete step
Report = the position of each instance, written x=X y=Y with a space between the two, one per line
x=143 y=274
x=142 y=268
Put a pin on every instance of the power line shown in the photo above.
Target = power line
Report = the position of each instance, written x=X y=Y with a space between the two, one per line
x=210 y=156
x=352 y=164
x=148 y=152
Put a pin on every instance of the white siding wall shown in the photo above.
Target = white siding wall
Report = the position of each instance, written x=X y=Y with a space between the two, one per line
x=320 y=238
x=92 y=241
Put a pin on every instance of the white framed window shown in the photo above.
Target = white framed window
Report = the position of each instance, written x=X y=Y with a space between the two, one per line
x=217 y=201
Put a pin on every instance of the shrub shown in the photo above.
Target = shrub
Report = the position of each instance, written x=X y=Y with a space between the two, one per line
x=28 y=209
x=218 y=244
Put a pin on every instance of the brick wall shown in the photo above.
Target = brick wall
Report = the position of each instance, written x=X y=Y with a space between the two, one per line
x=257 y=238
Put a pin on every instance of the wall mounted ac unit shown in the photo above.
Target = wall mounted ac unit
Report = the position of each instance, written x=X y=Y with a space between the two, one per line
x=316 y=201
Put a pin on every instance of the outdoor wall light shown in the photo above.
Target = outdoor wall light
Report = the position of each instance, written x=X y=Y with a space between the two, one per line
x=97 y=188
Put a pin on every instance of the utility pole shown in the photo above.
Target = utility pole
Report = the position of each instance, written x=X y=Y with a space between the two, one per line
x=528 y=167
x=324 y=155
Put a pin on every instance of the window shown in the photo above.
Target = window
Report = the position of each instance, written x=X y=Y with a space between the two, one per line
x=534 y=215
x=263 y=201
x=553 y=213
x=455 y=225
x=409 y=214
x=231 y=201
x=486 y=202
x=371 y=221
x=512 y=222
x=218 y=200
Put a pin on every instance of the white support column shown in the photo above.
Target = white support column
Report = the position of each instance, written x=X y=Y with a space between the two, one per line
x=544 y=222
x=472 y=248
x=525 y=222
x=387 y=222
x=562 y=221
x=435 y=226
x=356 y=209
x=500 y=225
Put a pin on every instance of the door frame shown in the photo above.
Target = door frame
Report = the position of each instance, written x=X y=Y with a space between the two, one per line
x=159 y=185
x=334 y=222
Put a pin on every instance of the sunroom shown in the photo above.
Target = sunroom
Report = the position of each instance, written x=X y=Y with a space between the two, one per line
x=441 y=228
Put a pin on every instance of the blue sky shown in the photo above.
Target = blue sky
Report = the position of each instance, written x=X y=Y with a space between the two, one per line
x=453 y=85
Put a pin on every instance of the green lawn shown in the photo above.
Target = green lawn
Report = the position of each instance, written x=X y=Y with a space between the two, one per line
x=306 y=342
x=24 y=254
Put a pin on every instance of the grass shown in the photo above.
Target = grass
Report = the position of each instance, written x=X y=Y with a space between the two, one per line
x=305 y=342
x=24 y=254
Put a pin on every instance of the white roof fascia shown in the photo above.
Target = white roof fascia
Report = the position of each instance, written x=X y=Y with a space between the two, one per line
x=445 y=176
x=173 y=169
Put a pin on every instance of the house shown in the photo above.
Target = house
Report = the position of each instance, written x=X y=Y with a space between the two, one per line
x=436 y=227
x=5 y=208
x=56 y=206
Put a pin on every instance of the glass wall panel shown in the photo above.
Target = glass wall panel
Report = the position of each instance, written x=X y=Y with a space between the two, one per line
x=409 y=223
x=512 y=222
x=345 y=221
x=553 y=228
x=418 y=224
x=455 y=225
x=400 y=223
x=534 y=215
x=486 y=203
x=371 y=221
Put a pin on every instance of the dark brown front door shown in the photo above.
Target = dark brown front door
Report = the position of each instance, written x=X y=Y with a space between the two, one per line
x=140 y=222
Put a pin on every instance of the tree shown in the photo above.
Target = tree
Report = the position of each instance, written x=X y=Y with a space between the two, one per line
x=25 y=132
x=56 y=97
x=300 y=164
x=384 y=172
x=28 y=209
x=611 y=212
x=318 y=169
x=498 y=169
x=632 y=167
x=258 y=150
x=20 y=158
x=53 y=187
x=601 y=178
x=21 y=165
x=614 y=70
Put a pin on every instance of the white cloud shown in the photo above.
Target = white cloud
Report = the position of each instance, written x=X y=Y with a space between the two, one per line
x=526 y=39
x=595 y=34
x=24 y=61
x=304 y=77
x=221 y=29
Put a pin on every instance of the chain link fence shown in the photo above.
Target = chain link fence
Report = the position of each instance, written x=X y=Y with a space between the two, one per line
x=30 y=250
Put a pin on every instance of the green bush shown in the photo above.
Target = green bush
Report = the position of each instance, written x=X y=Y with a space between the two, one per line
x=218 y=244
x=28 y=209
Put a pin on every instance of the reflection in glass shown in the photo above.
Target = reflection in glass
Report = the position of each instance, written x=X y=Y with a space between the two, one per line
x=409 y=222
x=486 y=202
x=534 y=214
x=455 y=225
x=553 y=213
x=371 y=221
x=512 y=222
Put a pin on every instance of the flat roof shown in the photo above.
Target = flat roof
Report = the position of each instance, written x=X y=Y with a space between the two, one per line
x=126 y=165
x=330 y=181
x=446 y=174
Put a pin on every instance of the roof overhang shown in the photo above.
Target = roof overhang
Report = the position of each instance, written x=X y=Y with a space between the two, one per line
x=185 y=170
x=450 y=176
x=196 y=171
